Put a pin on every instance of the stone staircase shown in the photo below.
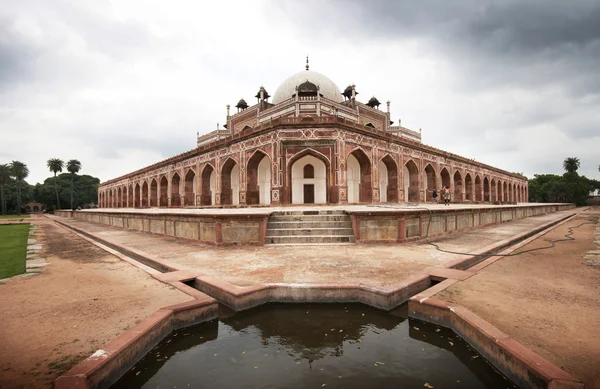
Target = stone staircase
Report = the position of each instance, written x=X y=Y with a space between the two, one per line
x=309 y=227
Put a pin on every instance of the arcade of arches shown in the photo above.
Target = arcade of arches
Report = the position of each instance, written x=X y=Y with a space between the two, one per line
x=309 y=177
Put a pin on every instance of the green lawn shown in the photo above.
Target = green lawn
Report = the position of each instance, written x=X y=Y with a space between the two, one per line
x=13 y=216
x=13 y=249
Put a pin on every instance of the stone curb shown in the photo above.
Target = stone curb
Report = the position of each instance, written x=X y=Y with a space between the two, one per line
x=103 y=368
x=520 y=364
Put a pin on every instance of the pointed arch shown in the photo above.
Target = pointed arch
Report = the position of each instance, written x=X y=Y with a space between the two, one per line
x=469 y=187
x=296 y=186
x=458 y=186
x=130 y=196
x=189 y=188
x=145 y=194
x=504 y=191
x=486 y=189
x=359 y=176
x=119 y=199
x=493 y=190
x=137 y=195
x=514 y=193
x=478 y=189
x=445 y=177
x=411 y=181
x=153 y=193
x=175 y=192
x=230 y=183
x=388 y=180
x=163 y=192
x=429 y=182
x=207 y=196
x=258 y=179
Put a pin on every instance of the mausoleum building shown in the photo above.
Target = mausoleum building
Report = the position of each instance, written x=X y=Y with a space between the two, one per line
x=309 y=143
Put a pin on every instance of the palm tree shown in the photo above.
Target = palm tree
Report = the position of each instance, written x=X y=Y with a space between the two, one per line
x=571 y=164
x=55 y=165
x=19 y=171
x=5 y=174
x=73 y=166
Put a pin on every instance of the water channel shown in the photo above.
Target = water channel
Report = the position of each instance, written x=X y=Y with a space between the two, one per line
x=313 y=346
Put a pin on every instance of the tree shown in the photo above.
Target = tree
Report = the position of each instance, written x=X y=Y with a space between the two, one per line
x=571 y=165
x=73 y=167
x=5 y=174
x=55 y=165
x=19 y=171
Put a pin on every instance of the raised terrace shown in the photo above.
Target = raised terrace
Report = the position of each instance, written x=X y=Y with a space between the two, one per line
x=385 y=223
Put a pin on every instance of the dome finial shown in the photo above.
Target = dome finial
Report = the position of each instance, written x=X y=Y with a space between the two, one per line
x=307 y=62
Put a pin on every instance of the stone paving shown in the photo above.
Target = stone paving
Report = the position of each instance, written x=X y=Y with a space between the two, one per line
x=374 y=265
x=593 y=256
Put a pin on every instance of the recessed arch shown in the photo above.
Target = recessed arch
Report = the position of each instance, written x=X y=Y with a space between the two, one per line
x=145 y=194
x=189 y=189
x=504 y=191
x=411 y=181
x=388 y=180
x=290 y=176
x=358 y=173
x=258 y=179
x=130 y=196
x=486 y=189
x=163 y=194
x=137 y=195
x=230 y=183
x=153 y=193
x=207 y=196
x=175 y=192
x=458 y=186
x=119 y=198
x=309 y=190
x=478 y=189
x=445 y=177
x=469 y=187
x=429 y=182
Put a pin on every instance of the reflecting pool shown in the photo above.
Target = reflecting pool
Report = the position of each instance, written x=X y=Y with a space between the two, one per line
x=313 y=346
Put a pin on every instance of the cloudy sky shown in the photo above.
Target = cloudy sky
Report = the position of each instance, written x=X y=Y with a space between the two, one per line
x=123 y=84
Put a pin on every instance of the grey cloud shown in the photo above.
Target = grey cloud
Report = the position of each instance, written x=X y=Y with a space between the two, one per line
x=16 y=55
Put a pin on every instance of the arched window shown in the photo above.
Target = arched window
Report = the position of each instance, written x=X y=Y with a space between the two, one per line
x=309 y=171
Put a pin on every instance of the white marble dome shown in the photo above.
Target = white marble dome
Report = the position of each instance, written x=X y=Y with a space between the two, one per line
x=327 y=88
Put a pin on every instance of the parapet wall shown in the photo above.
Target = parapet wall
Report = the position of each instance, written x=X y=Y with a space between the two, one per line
x=394 y=226
x=218 y=229
x=370 y=225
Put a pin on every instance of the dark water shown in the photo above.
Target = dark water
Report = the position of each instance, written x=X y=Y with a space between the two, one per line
x=313 y=346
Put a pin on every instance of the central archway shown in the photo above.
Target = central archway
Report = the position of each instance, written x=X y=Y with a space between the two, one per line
x=309 y=181
x=230 y=183
x=258 y=189
x=388 y=180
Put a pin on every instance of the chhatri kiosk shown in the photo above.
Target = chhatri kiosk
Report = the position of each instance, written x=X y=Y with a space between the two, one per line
x=309 y=143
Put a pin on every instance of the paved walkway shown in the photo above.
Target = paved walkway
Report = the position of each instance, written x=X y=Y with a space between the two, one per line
x=547 y=300
x=372 y=265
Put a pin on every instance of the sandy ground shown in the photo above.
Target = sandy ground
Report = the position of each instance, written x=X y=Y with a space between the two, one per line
x=376 y=265
x=83 y=299
x=547 y=300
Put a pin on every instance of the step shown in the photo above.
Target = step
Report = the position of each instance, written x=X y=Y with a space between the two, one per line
x=309 y=239
x=309 y=232
x=284 y=218
x=309 y=224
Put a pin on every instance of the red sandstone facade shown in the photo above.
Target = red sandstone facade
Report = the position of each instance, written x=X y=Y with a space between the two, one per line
x=310 y=146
